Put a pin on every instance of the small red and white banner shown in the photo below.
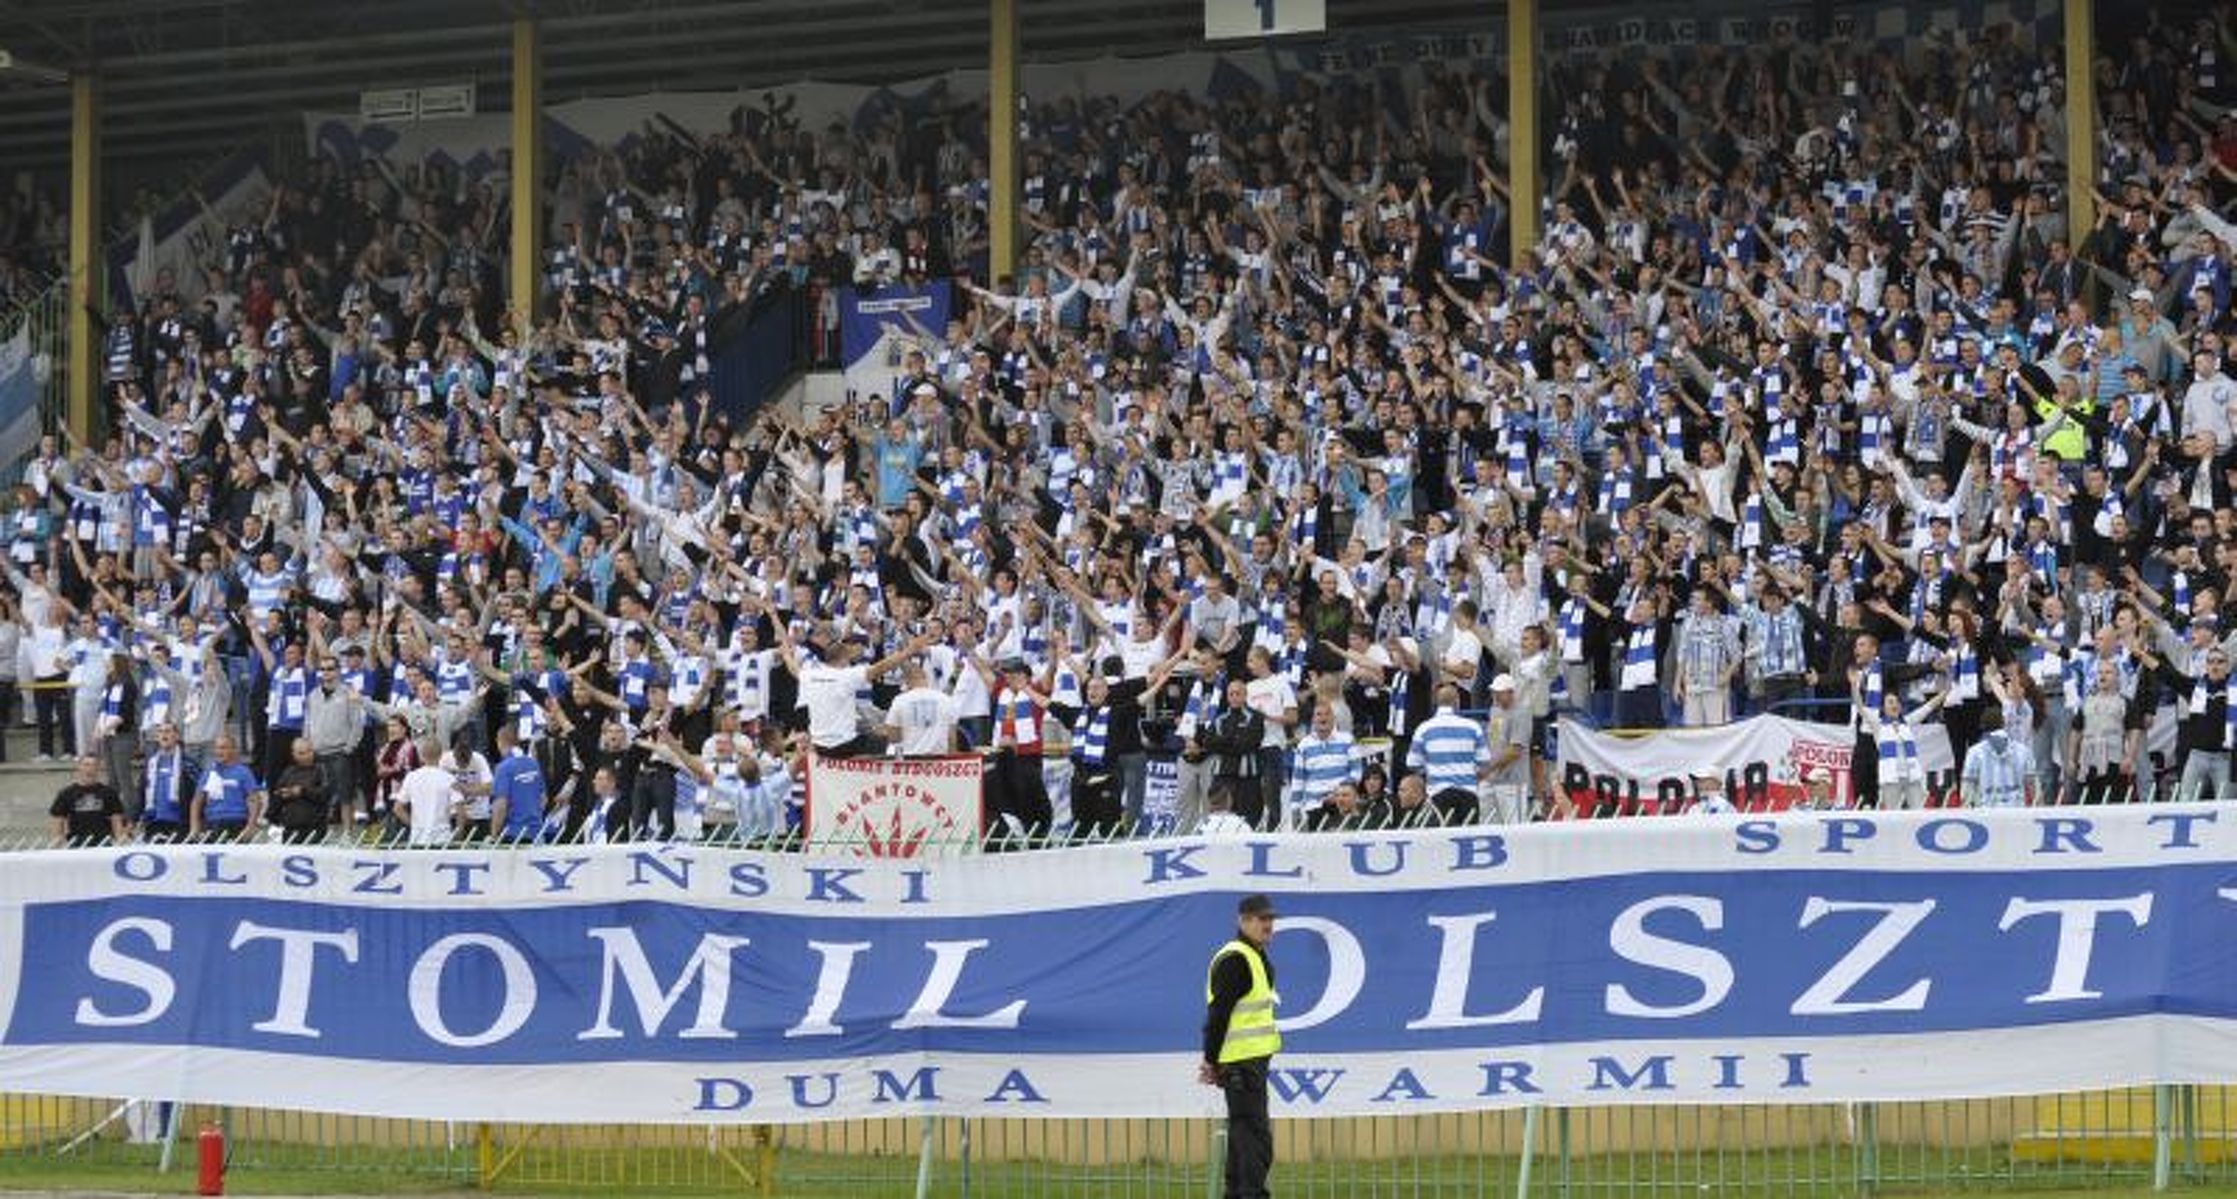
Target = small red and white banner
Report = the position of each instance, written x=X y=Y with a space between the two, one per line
x=895 y=807
x=1763 y=762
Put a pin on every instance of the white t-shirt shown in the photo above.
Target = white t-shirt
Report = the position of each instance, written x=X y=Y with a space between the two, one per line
x=1139 y=657
x=926 y=720
x=1270 y=697
x=1464 y=649
x=828 y=693
x=428 y=794
x=1224 y=824
x=475 y=769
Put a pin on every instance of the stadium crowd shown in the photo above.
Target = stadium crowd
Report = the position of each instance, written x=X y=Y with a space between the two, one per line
x=1808 y=398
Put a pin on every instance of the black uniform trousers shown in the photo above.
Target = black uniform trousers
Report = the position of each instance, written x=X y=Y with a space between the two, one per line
x=1250 y=1128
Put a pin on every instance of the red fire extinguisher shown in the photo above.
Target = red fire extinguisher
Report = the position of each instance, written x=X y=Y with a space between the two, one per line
x=209 y=1149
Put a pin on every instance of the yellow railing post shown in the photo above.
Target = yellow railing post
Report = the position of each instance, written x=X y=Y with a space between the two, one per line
x=527 y=195
x=2081 y=120
x=86 y=329
x=485 y=1157
x=1002 y=141
x=764 y=1160
x=1522 y=131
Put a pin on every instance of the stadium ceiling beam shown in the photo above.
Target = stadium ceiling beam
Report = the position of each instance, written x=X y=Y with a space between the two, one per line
x=566 y=66
x=71 y=50
x=148 y=113
x=494 y=35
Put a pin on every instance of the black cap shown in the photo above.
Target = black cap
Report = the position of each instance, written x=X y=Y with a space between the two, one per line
x=1255 y=905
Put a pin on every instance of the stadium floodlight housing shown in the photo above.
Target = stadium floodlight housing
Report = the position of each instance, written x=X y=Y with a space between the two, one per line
x=14 y=67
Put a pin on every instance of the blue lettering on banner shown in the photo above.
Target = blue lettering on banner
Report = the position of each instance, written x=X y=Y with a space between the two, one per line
x=756 y=977
x=865 y=317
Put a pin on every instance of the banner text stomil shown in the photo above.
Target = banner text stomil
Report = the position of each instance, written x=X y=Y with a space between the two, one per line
x=1798 y=957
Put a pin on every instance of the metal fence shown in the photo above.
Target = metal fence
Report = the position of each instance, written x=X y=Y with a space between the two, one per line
x=2132 y=1139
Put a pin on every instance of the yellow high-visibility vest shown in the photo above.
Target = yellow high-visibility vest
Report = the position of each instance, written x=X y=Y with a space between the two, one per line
x=1250 y=1028
x=2071 y=441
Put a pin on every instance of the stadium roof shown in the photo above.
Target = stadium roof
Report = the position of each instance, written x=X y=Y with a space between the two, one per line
x=196 y=77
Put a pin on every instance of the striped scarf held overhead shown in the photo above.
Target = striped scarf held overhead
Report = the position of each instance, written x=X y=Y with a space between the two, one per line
x=1965 y=674
x=1772 y=383
x=1515 y=439
x=1897 y=743
x=1230 y=473
x=2229 y=717
x=1751 y=521
x=1615 y=491
x=1066 y=688
x=528 y=718
x=1401 y=687
x=1784 y=446
x=1874 y=433
x=1091 y=735
x=155 y=702
x=1638 y=659
x=1572 y=631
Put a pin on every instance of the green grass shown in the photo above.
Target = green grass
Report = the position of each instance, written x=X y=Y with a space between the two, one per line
x=1823 y=1173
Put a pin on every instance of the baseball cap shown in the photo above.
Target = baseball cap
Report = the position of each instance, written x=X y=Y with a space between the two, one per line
x=1505 y=682
x=1255 y=905
x=2141 y=293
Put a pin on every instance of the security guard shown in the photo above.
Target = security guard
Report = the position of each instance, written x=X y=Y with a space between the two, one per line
x=1239 y=1040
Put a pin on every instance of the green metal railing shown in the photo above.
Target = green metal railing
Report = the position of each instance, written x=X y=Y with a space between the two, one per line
x=2155 y=1137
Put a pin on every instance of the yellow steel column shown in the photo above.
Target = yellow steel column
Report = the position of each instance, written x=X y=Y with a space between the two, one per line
x=85 y=256
x=528 y=171
x=1002 y=140
x=2081 y=119
x=1522 y=128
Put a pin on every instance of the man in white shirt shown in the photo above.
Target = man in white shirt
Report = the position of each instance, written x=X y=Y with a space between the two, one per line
x=470 y=777
x=830 y=687
x=1507 y=730
x=45 y=649
x=1220 y=819
x=1464 y=652
x=1269 y=694
x=426 y=797
x=921 y=720
x=2207 y=403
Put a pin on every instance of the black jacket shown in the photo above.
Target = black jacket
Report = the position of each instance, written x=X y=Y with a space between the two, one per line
x=1232 y=740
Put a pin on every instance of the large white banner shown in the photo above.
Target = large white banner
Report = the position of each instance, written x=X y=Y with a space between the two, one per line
x=1762 y=761
x=894 y=807
x=1797 y=957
